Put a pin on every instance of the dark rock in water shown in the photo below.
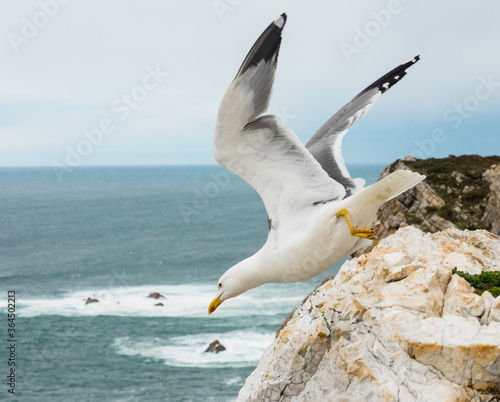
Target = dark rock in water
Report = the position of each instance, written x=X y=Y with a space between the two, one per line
x=215 y=347
x=159 y=304
x=90 y=300
x=156 y=295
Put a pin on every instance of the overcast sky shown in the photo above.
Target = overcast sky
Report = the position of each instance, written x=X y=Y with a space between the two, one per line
x=149 y=75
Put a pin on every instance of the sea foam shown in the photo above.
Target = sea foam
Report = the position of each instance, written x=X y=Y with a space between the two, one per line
x=243 y=348
x=188 y=300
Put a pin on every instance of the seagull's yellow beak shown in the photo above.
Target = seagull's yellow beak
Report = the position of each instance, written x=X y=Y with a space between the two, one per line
x=215 y=303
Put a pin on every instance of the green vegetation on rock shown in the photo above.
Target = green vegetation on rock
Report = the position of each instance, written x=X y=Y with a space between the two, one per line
x=411 y=218
x=459 y=181
x=487 y=280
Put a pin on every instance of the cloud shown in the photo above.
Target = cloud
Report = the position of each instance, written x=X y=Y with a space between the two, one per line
x=65 y=78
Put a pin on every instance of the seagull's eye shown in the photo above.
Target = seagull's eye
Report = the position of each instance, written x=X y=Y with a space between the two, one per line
x=220 y=284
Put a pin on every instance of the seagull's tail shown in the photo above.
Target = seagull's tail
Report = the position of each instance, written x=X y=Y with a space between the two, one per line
x=389 y=187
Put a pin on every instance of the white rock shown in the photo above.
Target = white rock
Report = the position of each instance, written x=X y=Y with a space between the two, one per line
x=393 y=325
x=460 y=299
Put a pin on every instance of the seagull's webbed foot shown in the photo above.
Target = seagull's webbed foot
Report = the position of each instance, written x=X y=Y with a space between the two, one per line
x=365 y=233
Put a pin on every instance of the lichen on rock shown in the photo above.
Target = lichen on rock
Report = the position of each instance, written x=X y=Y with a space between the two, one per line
x=393 y=325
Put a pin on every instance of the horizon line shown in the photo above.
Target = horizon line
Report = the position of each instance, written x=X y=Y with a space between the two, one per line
x=156 y=165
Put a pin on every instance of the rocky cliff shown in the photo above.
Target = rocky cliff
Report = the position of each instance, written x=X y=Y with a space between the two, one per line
x=459 y=191
x=491 y=217
x=393 y=325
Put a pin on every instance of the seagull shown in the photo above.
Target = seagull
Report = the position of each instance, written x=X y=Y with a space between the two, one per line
x=316 y=212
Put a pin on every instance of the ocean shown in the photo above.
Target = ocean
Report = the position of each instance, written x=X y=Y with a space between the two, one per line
x=117 y=234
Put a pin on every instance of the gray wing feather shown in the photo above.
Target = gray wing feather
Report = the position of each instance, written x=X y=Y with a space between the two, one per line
x=263 y=58
x=325 y=144
x=261 y=150
x=271 y=158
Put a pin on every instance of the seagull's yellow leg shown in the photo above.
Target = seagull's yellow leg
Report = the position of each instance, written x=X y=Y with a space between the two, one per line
x=365 y=233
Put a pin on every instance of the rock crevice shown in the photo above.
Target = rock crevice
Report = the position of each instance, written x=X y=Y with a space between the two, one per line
x=394 y=324
x=462 y=191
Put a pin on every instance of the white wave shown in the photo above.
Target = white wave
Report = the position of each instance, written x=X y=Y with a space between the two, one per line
x=189 y=300
x=243 y=348
x=234 y=380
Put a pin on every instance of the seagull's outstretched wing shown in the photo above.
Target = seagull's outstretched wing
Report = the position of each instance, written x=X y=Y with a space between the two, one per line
x=325 y=145
x=261 y=150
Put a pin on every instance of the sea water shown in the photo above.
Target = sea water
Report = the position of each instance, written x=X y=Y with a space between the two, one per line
x=117 y=234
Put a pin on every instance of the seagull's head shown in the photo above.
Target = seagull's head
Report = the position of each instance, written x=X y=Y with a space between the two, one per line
x=236 y=280
x=228 y=286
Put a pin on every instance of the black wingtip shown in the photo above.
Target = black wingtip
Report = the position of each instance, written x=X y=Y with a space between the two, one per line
x=412 y=61
x=384 y=83
x=267 y=46
x=394 y=76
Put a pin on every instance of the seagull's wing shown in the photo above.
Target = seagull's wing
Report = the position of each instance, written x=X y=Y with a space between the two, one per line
x=261 y=150
x=325 y=145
